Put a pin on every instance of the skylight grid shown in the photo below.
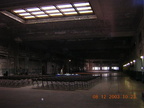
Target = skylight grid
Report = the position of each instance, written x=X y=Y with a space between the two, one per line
x=57 y=10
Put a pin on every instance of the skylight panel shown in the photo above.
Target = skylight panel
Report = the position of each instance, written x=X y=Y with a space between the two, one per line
x=43 y=15
x=29 y=17
x=32 y=9
x=52 y=11
x=70 y=13
x=81 y=4
x=64 y=6
x=84 y=8
x=85 y=12
x=24 y=14
x=19 y=11
x=37 y=13
x=48 y=7
x=56 y=14
x=67 y=10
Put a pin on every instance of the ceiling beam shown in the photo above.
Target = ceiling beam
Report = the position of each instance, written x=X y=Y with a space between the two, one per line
x=123 y=34
x=65 y=35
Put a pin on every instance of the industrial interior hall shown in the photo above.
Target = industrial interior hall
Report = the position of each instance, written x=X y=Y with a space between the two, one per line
x=72 y=53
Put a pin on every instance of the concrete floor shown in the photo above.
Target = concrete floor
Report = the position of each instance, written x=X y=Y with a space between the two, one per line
x=108 y=86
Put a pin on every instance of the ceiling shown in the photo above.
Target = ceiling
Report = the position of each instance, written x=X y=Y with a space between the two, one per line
x=108 y=36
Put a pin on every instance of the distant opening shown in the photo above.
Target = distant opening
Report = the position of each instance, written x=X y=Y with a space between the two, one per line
x=96 y=68
x=115 y=68
x=105 y=68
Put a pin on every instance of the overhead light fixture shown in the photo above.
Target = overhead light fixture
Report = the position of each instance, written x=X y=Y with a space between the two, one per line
x=52 y=11
x=128 y=63
x=56 y=14
x=37 y=13
x=33 y=9
x=41 y=16
x=24 y=14
x=49 y=13
x=81 y=4
x=85 y=12
x=141 y=57
x=64 y=6
x=70 y=13
x=67 y=10
x=29 y=17
x=83 y=8
x=19 y=11
x=134 y=61
x=48 y=7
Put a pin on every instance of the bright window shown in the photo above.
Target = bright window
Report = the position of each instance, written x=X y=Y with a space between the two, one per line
x=54 y=10
x=105 y=68
x=115 y=68
x=96 y=68
x=50 y=11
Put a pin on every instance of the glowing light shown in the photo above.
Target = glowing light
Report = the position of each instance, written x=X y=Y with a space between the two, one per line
x=83 y=8
x=115 y=68
x=56 y=14
x=48 y=7
x=141 y=57
x=105 y=68
x=69 y=9
x=29 y=17
x=64 y=6
x=44 y=15
x=24 y=14
x=85 y=12
x=32 y=9
x=128 y=63
x=96 y=68
x=66 y=12
x=81 y=4
x=19 y=11
x=70 y=13
x=52 y=11
x=39 y=12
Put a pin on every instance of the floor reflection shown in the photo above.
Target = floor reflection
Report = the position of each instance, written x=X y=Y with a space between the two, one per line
x=107 y=74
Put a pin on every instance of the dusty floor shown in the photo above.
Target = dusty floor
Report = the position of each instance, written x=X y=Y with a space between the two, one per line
x=109 y=92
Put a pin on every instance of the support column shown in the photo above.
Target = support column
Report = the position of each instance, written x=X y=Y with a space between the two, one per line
x=16 y=59
x=26 y=65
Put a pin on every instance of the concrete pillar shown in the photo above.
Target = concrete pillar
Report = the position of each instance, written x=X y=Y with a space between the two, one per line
x=49 y=68
x=138 y=64
x=16 y=59
x=26 y=65
x=90 y=66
